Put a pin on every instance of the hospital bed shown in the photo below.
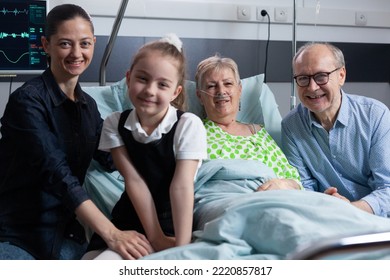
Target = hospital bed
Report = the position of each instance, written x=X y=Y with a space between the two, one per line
x=236 y=222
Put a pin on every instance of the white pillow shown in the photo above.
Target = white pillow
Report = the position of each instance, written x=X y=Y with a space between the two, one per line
x=119 y=89
x=110 y=98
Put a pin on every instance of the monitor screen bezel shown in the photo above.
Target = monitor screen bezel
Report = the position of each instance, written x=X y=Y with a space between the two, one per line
x=15 y=72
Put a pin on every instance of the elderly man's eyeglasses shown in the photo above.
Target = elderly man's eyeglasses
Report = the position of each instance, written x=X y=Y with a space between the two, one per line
x=320 y=78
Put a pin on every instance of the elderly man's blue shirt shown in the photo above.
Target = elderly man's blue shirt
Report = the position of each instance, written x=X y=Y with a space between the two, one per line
x=353 y=156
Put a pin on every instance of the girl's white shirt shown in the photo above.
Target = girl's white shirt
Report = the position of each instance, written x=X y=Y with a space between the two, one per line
x=189 y=140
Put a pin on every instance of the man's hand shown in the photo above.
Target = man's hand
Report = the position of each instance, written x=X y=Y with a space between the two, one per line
x=361 y=204
x=333 y=192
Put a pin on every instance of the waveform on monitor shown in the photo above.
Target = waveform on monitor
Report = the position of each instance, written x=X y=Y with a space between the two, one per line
x=13 y=61
x=14 y=35
x=16 y=12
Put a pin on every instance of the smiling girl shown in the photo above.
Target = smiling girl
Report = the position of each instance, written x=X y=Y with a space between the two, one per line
x=157 y=149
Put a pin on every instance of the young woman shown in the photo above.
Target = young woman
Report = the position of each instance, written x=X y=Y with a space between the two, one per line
x=50 y=131
x=157 y=149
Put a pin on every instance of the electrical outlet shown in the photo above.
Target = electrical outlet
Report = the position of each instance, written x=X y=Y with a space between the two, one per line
x=259 y=16
x=360 y=18
x=244 y=12
x=281 y=14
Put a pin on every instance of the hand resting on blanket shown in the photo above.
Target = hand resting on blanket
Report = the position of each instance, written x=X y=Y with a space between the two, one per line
x=278 y=184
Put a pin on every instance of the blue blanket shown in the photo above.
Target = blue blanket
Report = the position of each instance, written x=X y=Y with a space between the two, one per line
x=236 y=222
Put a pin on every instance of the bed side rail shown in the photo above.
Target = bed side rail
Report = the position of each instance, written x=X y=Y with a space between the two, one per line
x=363 y=245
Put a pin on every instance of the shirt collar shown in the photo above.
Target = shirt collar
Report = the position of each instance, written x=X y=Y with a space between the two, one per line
x=56 y=94
x=133 y=124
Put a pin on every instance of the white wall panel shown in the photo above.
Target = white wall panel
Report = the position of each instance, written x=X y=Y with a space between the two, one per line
x=334 y=21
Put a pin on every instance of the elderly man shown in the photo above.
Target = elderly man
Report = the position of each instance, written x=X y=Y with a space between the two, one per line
x=338 y=142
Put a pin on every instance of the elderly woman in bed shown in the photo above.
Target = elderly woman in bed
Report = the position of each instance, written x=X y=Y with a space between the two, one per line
x=219 y=90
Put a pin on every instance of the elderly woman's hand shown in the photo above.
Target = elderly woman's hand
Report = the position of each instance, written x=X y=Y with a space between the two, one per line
x=279 y=184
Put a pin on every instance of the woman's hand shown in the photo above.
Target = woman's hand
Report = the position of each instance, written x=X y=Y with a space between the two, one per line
x=130 y=244
x=279 y=184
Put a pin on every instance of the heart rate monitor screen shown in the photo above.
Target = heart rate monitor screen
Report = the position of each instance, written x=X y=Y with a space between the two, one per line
x=22 y=24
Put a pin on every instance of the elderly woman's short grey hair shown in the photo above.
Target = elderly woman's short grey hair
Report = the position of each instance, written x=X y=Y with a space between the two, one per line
x=215 y=63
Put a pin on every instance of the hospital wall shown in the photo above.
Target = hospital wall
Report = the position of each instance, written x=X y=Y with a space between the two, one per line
x=361 y=28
